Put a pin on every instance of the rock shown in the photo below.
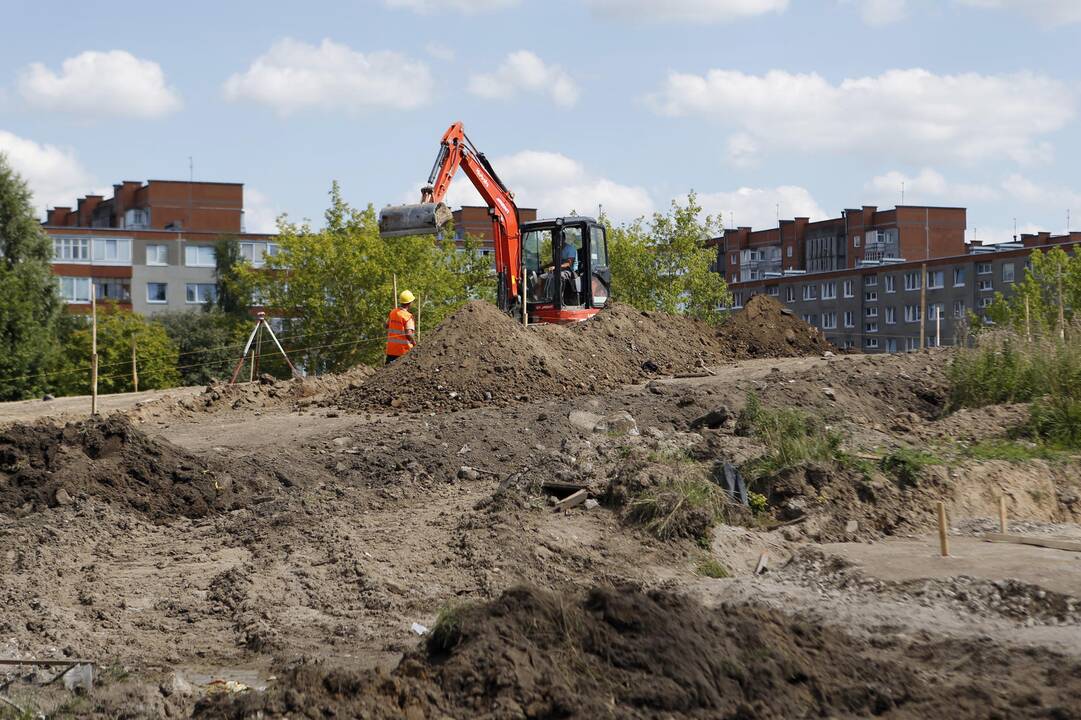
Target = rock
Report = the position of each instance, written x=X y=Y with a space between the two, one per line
x=332 y=414
x=47 y=397
x=591 y=503
x=852 y=526
x=80 y=678
x=341 y=441
x=790 y=336
x=395 y=403
x=62 y=497
x=830 y=393
x=583 y=420
x=787 y=311
x=467 y=473
x=176 y=685
x=713 y=419
x=826 y=355
x=620 y=423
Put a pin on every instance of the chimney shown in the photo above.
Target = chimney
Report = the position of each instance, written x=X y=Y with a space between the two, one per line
x=86 y=209
x=58 y=216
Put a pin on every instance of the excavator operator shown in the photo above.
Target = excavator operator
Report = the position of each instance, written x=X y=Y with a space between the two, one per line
x=568 y=266
x=401 y=328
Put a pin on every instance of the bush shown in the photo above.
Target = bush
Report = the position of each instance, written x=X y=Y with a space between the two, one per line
x=210 y=342
x=907 y=465
x=791 y=437
x=710 y=568
x=1056 y=419
x=681 y=507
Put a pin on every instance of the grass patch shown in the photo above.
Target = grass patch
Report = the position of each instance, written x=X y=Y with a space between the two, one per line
x=447 y=631
x=791 y=437
x=1011 y=451
x=711 y=568
x=907 y=465
x=683 y=507
x=673 y=457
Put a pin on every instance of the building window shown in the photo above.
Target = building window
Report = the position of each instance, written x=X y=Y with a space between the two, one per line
x=890 y=284
x=912 y=280
x=200 y=256
x=958 y=277
x=790 y=293
x=773 y=291
x=870 y=296
x=137 y=218
x=912 y=313
x=983 y=268
x=118 y=289
x=71 y=249
x=809 y=291
x=829 y=321
x=155 y=292
x=737 y=300
x=855 y=241
x=199 y=293
x=958 y=309
x=1007 y=272
x=809 y=318
x=871 y=327
x=848 y=289
x=870 y=343
x=157 y=254
x=253 y=252
x=871 y=312
x=891 y=315
x=936 y=311
x=789 y=251
x=735 y=278
x=912 y=344
x=870 y=281
x=74 y=289
x=985 y=302
x=850 y=319
x=111 y=250
x=891 y=345
x=936 y=279
x=735 y=258
x=985 y=286
x=829 y=290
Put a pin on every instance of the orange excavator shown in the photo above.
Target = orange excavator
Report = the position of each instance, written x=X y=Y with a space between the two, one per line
x=553 y=271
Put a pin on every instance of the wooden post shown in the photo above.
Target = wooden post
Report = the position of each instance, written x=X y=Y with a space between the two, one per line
x=416 y=329
x=1002 y=525
x=1061 y=309
x=943 y=537
x=93 y=350
x=134 y=367
x=1028 y=321
x=923 y=306
x=395 y=276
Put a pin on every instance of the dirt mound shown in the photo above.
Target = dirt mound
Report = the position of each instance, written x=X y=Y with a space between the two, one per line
x=43 y=465
x=480 y=355
x=623 y=653
x=766 y=328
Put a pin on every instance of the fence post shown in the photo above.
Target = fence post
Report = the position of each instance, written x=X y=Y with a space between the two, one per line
x=93 y=349
x=134 y=367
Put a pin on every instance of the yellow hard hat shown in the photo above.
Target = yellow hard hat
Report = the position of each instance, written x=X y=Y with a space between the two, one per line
x=406 y=297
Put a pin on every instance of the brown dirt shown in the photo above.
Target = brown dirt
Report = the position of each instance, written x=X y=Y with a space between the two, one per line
x=623 y=653
x=479 y=355
x=43 y=465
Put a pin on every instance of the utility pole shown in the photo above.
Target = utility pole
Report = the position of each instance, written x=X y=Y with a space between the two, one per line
x=93 y=350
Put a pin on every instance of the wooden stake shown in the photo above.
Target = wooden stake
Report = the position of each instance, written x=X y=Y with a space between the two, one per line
x=395 y=276
x=1028 y=321
x=134 y=367
x=1061 y=309
x=943 y=537
x=416 y=328
x=93 y=350
x=923 y=306
x=1002 y=526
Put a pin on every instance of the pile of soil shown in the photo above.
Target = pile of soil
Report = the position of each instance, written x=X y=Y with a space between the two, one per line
x=766 y=328
x=44 y=465
x=624 y=653
x=480 y=355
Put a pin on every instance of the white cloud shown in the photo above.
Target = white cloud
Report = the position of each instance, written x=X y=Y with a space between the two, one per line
x=260 y=214
x=440 y=51
x=694 y=11
x=1048 y=12
x=556 y=184
x=54 y=175
x=1028 y=191
x=114 y=83
x=908 y=113
x=759 y=207
x=742 y=150
x=468 y=7
x=927 y=187
x=877 y=13
x=524 y=71
x=294 y=75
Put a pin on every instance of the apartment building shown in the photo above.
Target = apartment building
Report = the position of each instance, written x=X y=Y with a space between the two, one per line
x=475 y=221
x=877 y=306
x=149 y=247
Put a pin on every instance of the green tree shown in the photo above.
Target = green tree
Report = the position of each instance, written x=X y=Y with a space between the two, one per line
x=334 y=286
x=1036 y=296
x=209 y=342
x=31 y=303
x=233 y=284
x=664 y=264
x=118 y=329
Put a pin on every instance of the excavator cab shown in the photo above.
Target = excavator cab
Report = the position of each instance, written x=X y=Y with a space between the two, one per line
x=565 y=260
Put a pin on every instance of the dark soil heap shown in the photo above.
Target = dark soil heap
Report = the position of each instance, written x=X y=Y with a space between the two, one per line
x=766 y=328
x=620 y=653
x=43 y=465
x=480 y=355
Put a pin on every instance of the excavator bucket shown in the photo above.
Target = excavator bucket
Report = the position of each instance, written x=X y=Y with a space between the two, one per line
x=403 y=220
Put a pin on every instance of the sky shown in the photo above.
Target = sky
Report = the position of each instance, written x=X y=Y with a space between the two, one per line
x=764 y=108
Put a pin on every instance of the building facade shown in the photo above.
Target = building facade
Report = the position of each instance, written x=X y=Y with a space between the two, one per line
x=875 y=280
x=150 y=247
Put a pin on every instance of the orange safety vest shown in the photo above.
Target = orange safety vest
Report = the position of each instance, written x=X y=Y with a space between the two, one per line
x=399 y=326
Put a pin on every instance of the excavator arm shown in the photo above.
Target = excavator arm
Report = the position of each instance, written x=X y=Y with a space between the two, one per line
x=456 y=151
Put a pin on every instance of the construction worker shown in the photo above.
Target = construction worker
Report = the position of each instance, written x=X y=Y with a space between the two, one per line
x=401 y=328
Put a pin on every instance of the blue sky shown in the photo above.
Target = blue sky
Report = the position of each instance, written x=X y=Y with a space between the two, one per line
x=806 y=106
